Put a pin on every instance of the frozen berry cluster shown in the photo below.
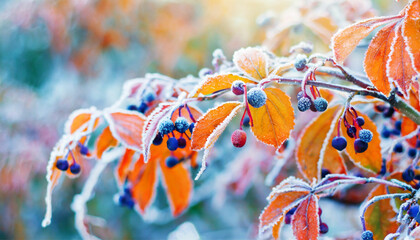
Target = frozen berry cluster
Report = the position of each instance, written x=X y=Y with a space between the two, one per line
x=63 y=163
x=305 y=103
x=147 y=98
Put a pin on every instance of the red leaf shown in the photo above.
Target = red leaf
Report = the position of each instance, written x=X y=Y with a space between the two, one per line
x=305 y=221
x=411 y=32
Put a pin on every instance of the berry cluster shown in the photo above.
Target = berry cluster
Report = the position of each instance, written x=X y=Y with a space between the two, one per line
x=63 y=165
x=148 y=97
x=305 y=103
x=126 y=198
x=355 y=130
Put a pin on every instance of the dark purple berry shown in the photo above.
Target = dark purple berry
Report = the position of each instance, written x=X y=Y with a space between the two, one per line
x=300 y=62
x=127 y=190
x=292 y=211
x=351 y=131
x=383 y=167
x=412 y=152
x=398 y=125
x=75 y=168
x=299 y=95
x=408 y=174
x=414 y=210
x=172 y=144
x=149 y=96
x=365 y=135
x=126 y=200
x=385 y=133
x=288 y=218
x=238 y=138
x=171 y=161
x=181 y=124
x=246 y=121
x=380 y=108
x=143 y=107
x=132 y=107
x=62 y=164
x=166 y=126
x=367 y=235
x=323 y=228
x=398 y=148
x=395 y=132
x=83 y=149
x=389 y=112
x=158 y=140
x=360 y=146
x=321 y=104
x=191 y=127
x=360 y=121
x=339 y=143
x=182 y=143
x=257 y=97
x=325 y=172
x=418 y=144
x=238 y=87
x=304 y=104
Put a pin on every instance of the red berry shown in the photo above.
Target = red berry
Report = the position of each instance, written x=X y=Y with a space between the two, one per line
x=238 y=87
x=238 y=138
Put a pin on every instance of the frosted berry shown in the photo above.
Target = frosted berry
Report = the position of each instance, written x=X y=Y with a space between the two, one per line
x=132 y=107
x=143 y=107
x=171 y=161
x=365 y=135
x=75 y=168
x=257 y=97
x=408 y=174
x=238 y=138
x=299 y=95
x=323 y=228
x=181 y=124
x=149 y=96
x=367 y=235
x=414 y=210
x=360 y=146
x=182 y=143
x=304 y=104
x=398 y=148
x=300 y=62
x=62 y=164
x=191 y=127
x=412 y=152
x=83 y=149
x=158 y=140
x=398 y=125
x=238 y=87
x=385 y=133
x=339 y=143
x=166 y=126
x=360 y=121
x=172 y=144
x=351 y=131
x=320 y=104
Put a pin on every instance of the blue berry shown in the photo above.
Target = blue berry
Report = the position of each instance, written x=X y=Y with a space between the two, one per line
x=380 y=108
x=389 y=112
x=365 y=135
x=398 y=148
x=321 y=104
x=325 y=172
x=171 y=161
x=412 y=152
x=158 y=140
x=182 y=143
x=339 y=143
x=360 y=146
x=395 y=132
x=304 y=104
x=367 y=235
x=408 y=174
x=385 y=133
x=351 y=131
x=132 y=107
x=299 y=95
x=238 y=87
x=143 y=107
x=257 y=97
x=166 y=126
x=83 y=149
x=398 y=125
x=172 y=144
x=292 y=211
x=127 y=190
x=246 y=121
x=191 y=128
x=288 y=218
x=418 y=144
x=75 y=168
x=300 y=62
x=323 y=228
x=126 y=200
x=62 y=164
x=149 y=96
x=383 y=167
x=181 y=124
x=414 y=210
x=360 y=121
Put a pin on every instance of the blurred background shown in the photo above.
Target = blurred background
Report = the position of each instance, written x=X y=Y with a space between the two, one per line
x=60 y=55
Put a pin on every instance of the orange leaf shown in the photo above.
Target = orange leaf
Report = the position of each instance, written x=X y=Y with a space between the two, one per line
x=277 y=227
x=399 y=68
x=216 y=83
x=345 y=40
x=126 y=127
x=371 y=159
x=178 y=185
x=305 y=221
x=104 y=141
x=273 y=121
x=380 y=216
x=314 y=146
x=144 y=181
x=79 y=121
x=377 y=56
x=213 y=121
x=323 y=26
x=252 y=61
x=124 y=165
x=411 y=32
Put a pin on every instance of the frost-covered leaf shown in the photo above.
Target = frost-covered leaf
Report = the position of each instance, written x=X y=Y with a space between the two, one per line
x=253 y=61
x=305 y=221
x=411 y=32
x=104 y=141
x=124 y=164
x=80 y=120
